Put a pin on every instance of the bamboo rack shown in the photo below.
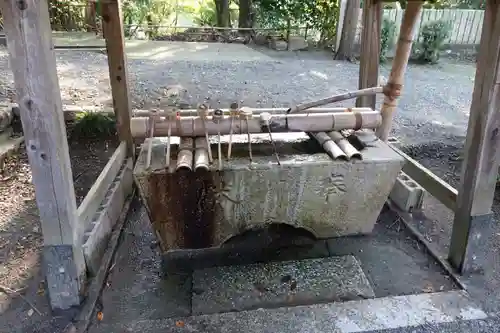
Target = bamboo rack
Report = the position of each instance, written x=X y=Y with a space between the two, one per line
x=303 y=122
x=256 y=111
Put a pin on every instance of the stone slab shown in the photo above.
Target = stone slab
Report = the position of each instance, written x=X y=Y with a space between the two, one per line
x=372 y=315
x=64 y=269
x=240 y=254
x=8 y=147
x=5 y=135
x=297 y=43
x=275 y=284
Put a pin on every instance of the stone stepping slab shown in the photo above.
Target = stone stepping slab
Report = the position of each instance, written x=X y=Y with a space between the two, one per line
x=278 y=284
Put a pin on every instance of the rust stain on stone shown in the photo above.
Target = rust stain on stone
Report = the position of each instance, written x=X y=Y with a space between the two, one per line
x=182 y=208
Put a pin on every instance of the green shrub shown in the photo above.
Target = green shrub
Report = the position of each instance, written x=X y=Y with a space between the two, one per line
x=206 y=14
x=387 y=38
x=90 y=125
x=431 y=40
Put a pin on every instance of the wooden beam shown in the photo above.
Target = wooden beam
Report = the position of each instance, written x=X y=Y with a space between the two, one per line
x=110 y=208
x=95 y=195
x=370 y=51
x=437 y=187
x=395 y=83
x=112 y=23
x=33 y=63
x=473 y=216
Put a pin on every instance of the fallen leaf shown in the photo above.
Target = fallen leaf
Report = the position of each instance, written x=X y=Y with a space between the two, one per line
x=100 y=315
x=428 y=288
x=179 y=323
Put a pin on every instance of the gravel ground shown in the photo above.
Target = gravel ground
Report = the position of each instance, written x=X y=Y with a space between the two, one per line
x=434 y=105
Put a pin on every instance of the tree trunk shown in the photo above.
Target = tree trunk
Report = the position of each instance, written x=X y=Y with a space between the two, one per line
x=346 y=47
x=245 y=14
x=90 y=16
x=222 y=9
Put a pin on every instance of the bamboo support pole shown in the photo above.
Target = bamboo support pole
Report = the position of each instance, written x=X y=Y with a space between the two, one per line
x=393 y=88
x=336 y=98
x=185 y=155
x=150 y=142
x=307 y=122
x=344 y=145
x=328 y=145
x=201 y=160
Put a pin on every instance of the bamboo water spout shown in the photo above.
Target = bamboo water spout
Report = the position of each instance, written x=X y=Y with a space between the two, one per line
x=337 y=98
x=185 y=155
x=393 y=88
x=344 y=145
x=302 y=122
x=201 y=159
x=328 y=145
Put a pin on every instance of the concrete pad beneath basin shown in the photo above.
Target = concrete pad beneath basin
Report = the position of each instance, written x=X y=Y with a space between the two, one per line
x=275 y=284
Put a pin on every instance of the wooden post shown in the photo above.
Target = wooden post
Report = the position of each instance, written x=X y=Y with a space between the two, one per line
x=399 y=63
x=473 y=216
x=117 y=62
x=33 y=63
x=370 y=51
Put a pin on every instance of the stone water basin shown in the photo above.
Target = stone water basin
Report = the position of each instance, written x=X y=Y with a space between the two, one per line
x=308 y=190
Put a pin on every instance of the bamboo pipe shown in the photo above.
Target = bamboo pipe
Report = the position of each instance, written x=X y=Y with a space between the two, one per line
x=328 y=145
x=344 y=145
x=185 y=155
x=399 y=63
x=336 y=98
x=201 y=160
x=307 y=122
x=255 y=111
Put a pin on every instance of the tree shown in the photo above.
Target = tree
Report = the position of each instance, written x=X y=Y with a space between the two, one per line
x=222 y=11
x=90 y=16
x=346 y=46
x=245 y=14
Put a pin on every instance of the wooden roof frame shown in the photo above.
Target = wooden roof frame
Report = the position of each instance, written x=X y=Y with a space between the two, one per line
x=65 y=225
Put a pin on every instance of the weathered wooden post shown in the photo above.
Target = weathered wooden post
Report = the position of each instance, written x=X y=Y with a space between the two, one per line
x=112 y=23
x=473 y=216
x=370 y=50
x=33 y=62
